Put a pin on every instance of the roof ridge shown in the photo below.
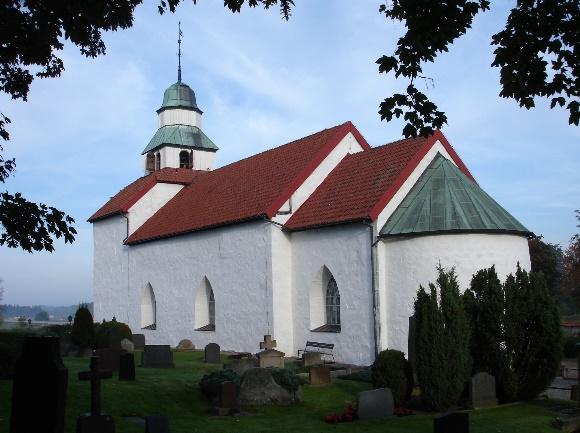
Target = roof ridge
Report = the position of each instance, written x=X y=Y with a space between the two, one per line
x=281 y=146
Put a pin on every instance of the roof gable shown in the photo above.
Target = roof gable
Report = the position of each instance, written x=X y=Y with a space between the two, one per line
x=128 y=196
x=255 y=187
x=444 y=199
x=360 y=187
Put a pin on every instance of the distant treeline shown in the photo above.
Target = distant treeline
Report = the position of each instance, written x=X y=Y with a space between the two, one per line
x=57 y=313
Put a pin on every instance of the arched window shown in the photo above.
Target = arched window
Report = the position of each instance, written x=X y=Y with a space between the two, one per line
x=204 y=314
x=148 y=308
x=184 y=159
x=157 y=161
x=324 y=302
x=332 y=303
x=150 y=165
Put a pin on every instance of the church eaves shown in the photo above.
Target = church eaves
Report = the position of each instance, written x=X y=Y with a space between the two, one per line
x=445 y=200
x=185 y=136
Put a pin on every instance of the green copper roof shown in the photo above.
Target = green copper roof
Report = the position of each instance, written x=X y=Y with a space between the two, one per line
x=179 y=95
x=445 y=200
x=180 y=136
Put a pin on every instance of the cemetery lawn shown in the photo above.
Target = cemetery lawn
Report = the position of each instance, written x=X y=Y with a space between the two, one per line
x=174 y=392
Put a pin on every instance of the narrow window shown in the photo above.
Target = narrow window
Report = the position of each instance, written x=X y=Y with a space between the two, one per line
x=157 y=161
x=191 y=159
x=332 y=303
x=148 y=308
x=184 y=159
x=204 y=312
x=150 y=166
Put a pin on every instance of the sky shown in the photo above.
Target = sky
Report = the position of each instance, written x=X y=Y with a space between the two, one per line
x=262 y=82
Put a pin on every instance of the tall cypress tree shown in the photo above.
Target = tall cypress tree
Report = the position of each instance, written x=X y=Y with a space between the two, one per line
x=442 y=342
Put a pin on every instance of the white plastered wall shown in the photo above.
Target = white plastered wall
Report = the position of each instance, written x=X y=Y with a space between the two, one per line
x=110 y=261
x=150 y=203
x=345 y=251
x=235 y=259
x=202 y=159
x=178 y=116
x=347 y=145
x=410 y=262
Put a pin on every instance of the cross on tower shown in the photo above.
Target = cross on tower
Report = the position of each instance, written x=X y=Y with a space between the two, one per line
x=95 y=376
x=268 y=343
x=180 y=34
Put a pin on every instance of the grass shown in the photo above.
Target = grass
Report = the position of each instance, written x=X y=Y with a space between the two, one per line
x=174 y=392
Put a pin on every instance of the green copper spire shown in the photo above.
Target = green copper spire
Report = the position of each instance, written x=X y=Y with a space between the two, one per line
x=445 y=200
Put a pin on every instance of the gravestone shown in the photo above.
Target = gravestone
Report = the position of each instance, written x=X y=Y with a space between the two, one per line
x=185 y=344
x=95 y=421
x=375 y=404
x=240 y=366
x=227 y=398
x=39 y=388
x=454 y=422
x=157 y=424
x=271 y=358
x=212 y=353
x=127 y=367
x=268 y=343
x=311 y=358
x=482 y=391
x=139 y=341
x=319 y=375
x=108 y=359
x=127 y=346
x=157 y=356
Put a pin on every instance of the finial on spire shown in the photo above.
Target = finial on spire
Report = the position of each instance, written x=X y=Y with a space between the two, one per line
x=179 y=53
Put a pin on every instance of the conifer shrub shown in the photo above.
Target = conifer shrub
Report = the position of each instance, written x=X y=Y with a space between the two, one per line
x=442 y=342
x=82 y=332
x=104 y=330
x=392 y=370
x=286 y=379
x=533 y=344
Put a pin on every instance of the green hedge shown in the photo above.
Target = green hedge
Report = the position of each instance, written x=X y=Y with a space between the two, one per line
x=392 y=370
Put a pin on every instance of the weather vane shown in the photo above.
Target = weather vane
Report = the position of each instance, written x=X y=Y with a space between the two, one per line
x=179 y=53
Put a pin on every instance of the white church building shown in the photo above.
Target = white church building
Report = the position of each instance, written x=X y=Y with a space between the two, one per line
x=322 y=239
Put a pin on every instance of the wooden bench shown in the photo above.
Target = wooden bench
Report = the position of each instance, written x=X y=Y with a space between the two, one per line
x=325 y=350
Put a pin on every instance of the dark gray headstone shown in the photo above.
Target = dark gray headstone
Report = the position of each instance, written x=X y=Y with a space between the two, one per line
x=127 y=367
x=157 y=424
x=95 y=424
x=39 y=388
x=139 y=341
x=482 y=391
x=375 y=404
x=212 y=353
x=108 y=359
x=157 y=355
x=454 y=422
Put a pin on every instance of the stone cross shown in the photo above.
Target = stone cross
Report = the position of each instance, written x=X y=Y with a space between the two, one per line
x=268 y=343
x=95 y=376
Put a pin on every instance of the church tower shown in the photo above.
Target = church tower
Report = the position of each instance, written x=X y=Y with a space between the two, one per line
x=179 y=142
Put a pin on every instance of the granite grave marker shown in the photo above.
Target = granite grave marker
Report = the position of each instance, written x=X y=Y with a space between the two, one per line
x=95 y=421
x=39 y=388
x=482 y=391
x=212 y=353
x=454 y=422
x=127 y=366
x=375 y=404
x=157 y=356
x=139 y=341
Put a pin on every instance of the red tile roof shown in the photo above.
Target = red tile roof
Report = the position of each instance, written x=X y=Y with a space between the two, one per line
x=363 y=183
x=252 y=188
x=128 y=196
